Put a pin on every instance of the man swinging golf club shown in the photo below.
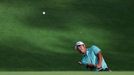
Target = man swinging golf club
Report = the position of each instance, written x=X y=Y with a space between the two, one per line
x=91 y=57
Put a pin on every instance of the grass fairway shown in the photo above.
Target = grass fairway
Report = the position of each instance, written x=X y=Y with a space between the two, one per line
x=31 y=41
x=67 y=73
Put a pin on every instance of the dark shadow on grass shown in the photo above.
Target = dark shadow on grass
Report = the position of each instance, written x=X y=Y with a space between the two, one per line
x=89 y=13
x=17 y=54
x=54 y=19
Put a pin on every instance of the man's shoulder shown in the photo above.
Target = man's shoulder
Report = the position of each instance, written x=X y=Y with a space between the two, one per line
x=93 y=46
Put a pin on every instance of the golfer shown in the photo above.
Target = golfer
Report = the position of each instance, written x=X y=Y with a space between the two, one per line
x=91 y=57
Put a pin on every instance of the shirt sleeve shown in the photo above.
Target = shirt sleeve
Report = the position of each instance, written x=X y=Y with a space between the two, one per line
x=96 y=49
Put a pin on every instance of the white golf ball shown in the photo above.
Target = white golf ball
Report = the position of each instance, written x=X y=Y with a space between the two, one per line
x=43 y=12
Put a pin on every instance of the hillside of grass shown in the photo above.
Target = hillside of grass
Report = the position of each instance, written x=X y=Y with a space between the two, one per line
x=30 y=40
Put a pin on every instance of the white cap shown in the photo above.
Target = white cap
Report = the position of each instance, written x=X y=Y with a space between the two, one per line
x=79 y=43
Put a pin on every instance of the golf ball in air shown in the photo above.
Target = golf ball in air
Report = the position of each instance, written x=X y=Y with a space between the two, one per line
x=43 y=12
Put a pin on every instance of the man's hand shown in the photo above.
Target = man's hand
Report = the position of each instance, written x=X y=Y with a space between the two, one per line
x=98 y=66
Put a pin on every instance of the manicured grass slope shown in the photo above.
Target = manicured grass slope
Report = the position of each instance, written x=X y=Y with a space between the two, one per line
x=32 y=41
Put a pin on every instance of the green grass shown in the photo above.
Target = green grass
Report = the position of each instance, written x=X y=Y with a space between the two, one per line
x=32 y=41
x=65 y=73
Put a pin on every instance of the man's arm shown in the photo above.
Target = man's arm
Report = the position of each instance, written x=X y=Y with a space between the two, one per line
x=99 y=65
x=99 y=56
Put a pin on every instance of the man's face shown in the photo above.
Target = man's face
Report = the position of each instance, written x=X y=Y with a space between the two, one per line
x=81 y=49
